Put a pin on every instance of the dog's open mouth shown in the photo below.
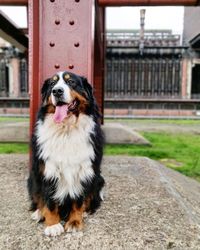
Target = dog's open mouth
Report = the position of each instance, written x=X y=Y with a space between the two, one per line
x=62 y=110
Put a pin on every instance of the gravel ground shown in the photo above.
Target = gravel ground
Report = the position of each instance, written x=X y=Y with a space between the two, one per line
x=147 y=206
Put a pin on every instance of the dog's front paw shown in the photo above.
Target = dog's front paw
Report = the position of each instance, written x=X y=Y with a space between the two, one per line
x=37 y=216
x=74 y=226
x=54 y=230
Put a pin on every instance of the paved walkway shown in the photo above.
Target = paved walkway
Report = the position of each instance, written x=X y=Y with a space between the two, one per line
x=147 y=206
x=156 y=126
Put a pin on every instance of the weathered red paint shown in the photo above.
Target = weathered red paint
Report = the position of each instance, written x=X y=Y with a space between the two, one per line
x=118 y=2
x=99 y=56
x=148 y=2
x=14 y=2
x=63 y=25
x=34 y=70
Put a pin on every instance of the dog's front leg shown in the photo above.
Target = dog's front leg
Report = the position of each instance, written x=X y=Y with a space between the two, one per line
x=75 y=219
x=52 y=221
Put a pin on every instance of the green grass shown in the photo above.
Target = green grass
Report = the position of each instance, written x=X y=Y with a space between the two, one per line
x=163 y=121
x=156 y=121
x=180 y=152
x=14 y=148
x=14 y=119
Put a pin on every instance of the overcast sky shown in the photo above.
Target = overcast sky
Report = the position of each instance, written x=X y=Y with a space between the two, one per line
x=123 y=17
x=17 y=14
x=155 y=18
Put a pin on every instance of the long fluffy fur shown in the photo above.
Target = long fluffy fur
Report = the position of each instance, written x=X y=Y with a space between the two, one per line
x=66 y=157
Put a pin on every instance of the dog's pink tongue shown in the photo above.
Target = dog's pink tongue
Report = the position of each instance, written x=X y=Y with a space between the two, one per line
x=60 y=113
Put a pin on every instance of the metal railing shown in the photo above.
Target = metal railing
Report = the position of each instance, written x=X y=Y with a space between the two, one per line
x=151 y=38
x=142 y=77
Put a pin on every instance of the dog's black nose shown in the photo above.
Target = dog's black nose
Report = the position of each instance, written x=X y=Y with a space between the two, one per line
x=58 y=92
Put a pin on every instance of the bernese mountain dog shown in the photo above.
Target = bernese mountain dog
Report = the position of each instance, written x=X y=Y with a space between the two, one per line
x=65 y=180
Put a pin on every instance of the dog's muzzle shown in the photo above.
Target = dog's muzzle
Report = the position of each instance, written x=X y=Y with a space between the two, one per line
x=58 y=92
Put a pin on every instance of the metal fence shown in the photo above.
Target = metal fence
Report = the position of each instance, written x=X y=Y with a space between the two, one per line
x=129 y=75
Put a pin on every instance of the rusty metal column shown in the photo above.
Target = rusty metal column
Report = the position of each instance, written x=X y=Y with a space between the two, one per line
x=148 y=2
x=61 y=38
x=99 y=57
x=34 y=80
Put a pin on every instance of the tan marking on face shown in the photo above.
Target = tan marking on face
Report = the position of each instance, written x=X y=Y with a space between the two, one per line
x=82 y=101
x=55 y=78
x=50 y=106
x=51 y=217
x=67 y=77
x=49 y=101
x=51 y=109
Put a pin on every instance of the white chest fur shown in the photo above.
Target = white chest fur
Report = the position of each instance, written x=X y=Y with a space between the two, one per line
x=67 y=153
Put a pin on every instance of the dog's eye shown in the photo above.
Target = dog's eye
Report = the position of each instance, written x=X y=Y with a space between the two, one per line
x=71 y=83
x=52 y=83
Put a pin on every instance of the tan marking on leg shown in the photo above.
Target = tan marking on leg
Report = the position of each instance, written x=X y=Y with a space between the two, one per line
x=38 y=200
x=51 y=217
x=37 y=215
x=87 y=203
x=40 y=204
x=75 y=220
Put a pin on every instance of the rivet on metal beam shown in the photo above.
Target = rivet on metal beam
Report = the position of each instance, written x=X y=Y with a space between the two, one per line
x=52 y=44
x=76 y=44
x=57 y=66
x=71 y=22
x=71 y=66
x=57 y=21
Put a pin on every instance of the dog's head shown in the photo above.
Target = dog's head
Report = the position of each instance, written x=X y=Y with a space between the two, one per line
x=66 y=93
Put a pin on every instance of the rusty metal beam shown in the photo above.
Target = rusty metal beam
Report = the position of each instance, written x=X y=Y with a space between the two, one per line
x=14 y=2
x=99 y=56
x=148 y=2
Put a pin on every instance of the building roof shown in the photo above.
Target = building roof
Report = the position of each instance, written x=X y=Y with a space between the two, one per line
x=11 y=33
x=195 y=42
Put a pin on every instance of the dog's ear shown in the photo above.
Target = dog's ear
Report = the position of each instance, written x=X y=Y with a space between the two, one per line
x=45 y=90
x=88 y=89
